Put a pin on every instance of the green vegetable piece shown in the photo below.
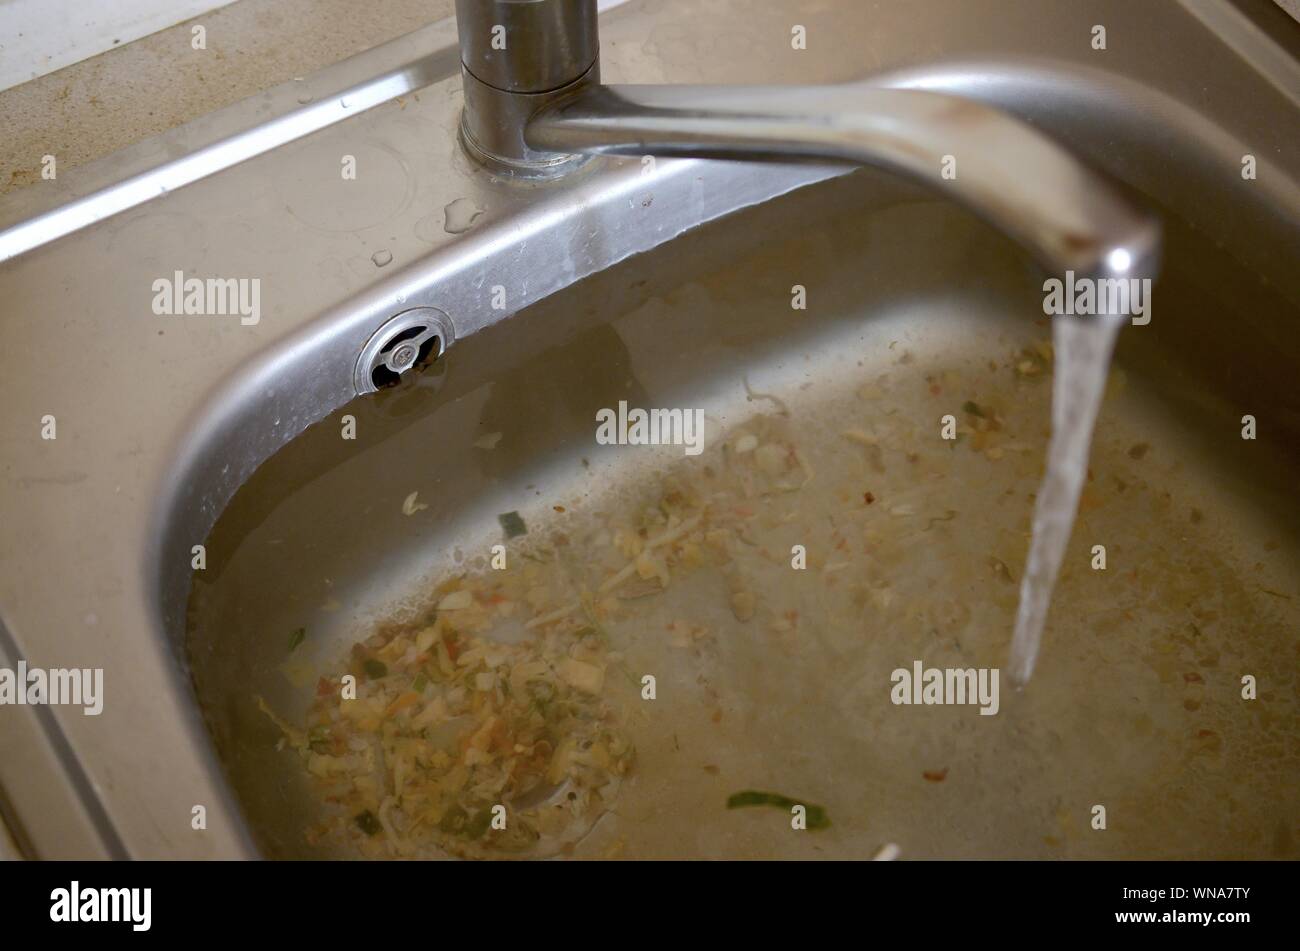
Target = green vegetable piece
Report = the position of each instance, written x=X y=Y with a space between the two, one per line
x=512 y=524
x=453 y=820
x=479 y=824
x=297 y=637
x=368 y=824
x=816 y=815
x=974 y=409
x=375 y=669
x=420 y=683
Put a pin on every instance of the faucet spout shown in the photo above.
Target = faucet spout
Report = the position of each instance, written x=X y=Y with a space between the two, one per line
x=535 y=106
x=1068 y=216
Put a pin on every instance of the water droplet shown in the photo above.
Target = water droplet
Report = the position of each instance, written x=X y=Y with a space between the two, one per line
x=382 y=257
x=460 y=215
x=305 y=95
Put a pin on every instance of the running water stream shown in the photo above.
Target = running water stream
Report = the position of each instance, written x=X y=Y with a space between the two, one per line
x=1083 y=347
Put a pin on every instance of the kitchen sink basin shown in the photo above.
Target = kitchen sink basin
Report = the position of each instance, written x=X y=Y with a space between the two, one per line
x=917 y=311
x=232 y=506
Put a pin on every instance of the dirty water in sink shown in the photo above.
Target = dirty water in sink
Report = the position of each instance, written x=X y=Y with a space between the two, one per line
x=525 y=686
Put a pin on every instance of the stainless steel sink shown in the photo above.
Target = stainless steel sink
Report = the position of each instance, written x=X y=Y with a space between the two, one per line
x=670 y=285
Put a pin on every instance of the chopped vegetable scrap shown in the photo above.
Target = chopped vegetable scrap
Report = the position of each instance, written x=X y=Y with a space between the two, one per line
x=512 y=524
x=412 y=504
x=458 y=744
x=816 y=815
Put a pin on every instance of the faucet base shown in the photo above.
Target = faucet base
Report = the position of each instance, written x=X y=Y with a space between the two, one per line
x=493 y=123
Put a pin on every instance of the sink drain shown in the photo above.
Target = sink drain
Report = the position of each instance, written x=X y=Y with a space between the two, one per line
x=410 y=341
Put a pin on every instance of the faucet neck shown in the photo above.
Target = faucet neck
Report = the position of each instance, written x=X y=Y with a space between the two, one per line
x=527 y=46
x=517 y=57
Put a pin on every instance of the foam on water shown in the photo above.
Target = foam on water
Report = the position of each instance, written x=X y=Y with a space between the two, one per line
x=1083 y=348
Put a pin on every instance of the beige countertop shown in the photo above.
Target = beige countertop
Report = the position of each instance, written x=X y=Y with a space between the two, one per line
x=95 y=107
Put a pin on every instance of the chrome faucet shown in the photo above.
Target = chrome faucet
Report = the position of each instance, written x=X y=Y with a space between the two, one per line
x=535 y=107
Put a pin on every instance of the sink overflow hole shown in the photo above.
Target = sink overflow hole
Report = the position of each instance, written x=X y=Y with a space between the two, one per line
x=412 y=349
x=412 y=340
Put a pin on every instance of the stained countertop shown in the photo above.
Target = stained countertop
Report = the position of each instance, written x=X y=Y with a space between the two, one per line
x=138 y=90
